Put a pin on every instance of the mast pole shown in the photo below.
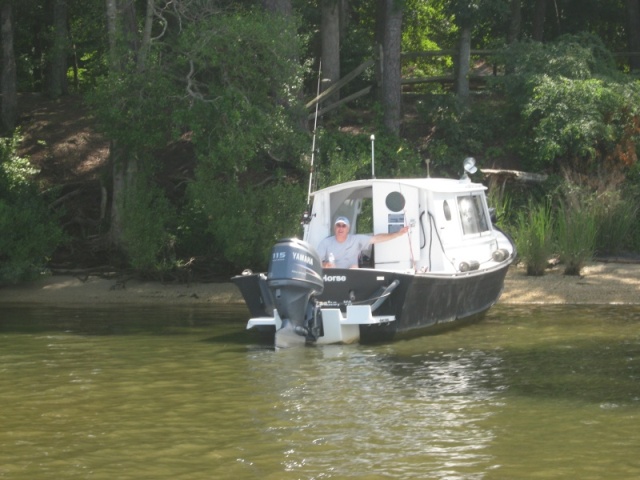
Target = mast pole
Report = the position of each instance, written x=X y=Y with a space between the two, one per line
x=313 y=143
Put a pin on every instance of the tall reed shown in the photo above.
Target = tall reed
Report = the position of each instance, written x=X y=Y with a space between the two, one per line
x=534 y=239
x=576 y=233
x=616 y=217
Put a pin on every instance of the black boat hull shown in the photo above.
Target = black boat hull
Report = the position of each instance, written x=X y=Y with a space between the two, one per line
x=421 y=303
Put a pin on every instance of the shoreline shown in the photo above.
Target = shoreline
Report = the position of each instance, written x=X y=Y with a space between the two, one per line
x=601 y=283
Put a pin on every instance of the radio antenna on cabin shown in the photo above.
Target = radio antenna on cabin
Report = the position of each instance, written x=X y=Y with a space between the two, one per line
x=373 y=157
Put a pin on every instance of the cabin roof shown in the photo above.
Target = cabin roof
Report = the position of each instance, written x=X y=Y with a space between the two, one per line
x=441 y=185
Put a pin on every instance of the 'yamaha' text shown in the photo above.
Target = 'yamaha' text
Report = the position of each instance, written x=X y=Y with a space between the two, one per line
x=303 y=258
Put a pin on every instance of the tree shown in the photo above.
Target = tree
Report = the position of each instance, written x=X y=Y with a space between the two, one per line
x=391 y=72
x=281 y=7
x=515 y=21
x=463 y=64
x=330 y=39
x=57 y=81
x=9 y=95
x=465 y=13
x=539 y=14
x=633 y=32
x=126 y=58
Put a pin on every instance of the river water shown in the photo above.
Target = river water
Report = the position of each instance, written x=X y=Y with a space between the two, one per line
x=175 y=393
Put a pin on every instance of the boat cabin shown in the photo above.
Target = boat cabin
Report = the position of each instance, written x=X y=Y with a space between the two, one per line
x=450 y=225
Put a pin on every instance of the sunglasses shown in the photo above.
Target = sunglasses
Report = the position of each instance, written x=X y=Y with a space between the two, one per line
x=341 y=225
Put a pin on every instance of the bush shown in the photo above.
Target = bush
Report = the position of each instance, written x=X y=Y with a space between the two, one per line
x=148 y=219
x=30 y=232
x=346 y=157
x=244 y=221
x=570 y=104
x=583 y=122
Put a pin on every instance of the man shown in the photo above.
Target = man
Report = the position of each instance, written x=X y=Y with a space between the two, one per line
x=342 y=250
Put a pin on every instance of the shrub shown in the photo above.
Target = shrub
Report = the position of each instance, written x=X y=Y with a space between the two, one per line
x=30 y=232
x=570 y=103
x=147 y=221
x=346 y=157
x=244 y=221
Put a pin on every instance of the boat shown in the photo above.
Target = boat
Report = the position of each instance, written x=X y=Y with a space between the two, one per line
x=447 y=270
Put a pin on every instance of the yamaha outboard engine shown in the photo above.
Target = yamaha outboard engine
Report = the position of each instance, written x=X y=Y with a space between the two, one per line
x=294 y=276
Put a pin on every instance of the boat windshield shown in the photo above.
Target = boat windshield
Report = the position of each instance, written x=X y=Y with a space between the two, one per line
x=472 y=214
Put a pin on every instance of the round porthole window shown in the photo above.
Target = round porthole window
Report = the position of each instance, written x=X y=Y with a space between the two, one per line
x=447 y=210
x=395 y=201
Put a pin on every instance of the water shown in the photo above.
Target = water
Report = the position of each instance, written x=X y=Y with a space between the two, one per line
x=131 y=393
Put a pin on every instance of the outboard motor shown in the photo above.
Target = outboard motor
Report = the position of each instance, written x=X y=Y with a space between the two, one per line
x=294 y=276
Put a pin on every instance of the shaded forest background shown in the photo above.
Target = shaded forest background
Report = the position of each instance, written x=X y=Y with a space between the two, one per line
x=172 y=140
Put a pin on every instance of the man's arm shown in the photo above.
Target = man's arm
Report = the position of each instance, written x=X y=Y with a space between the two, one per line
x=384 y=237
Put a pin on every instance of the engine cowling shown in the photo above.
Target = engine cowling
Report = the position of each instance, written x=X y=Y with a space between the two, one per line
x=294 y=276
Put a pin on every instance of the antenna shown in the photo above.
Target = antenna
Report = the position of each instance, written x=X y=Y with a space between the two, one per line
x=373 y=157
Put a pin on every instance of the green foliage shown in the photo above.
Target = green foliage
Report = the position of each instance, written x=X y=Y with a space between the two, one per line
x=479 y=12
x=30 y=233
x=576 y=228
x=427 y=26
x=147 y=220
x=534 y=239
x=581 y=121
x=461 y=130
x=243 y=222
x=501 y=203
x=230 y=82
x=616 y=218
x=346 y=157
x=135 y=109
x=246 y=73
x=570 y=104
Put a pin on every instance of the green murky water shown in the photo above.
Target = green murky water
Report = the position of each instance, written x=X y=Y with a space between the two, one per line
x=130 y=393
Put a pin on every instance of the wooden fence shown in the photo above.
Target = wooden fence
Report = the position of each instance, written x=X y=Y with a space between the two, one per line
x=449 y=78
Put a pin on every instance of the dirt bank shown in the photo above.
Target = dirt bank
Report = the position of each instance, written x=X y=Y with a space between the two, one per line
x=601 y=283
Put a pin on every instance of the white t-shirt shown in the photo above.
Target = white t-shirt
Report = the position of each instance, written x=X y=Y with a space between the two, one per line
x=345 y=253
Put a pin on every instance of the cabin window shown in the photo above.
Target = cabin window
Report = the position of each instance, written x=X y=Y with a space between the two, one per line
x=395 y=201
x=472 y=214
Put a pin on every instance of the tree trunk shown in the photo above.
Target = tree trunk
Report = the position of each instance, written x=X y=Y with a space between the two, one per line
x=124 y=171
x=379 y=40
x=57 y=81
x=463 y=63
x=539 y=14
x=145 y=44
x=344 y=17
x=330 y=33
x=9 y=93
x=112 y=32
x=121 y=27
x=633 y=33
x=282 y=7
x=515 y=21
x=391 y=68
